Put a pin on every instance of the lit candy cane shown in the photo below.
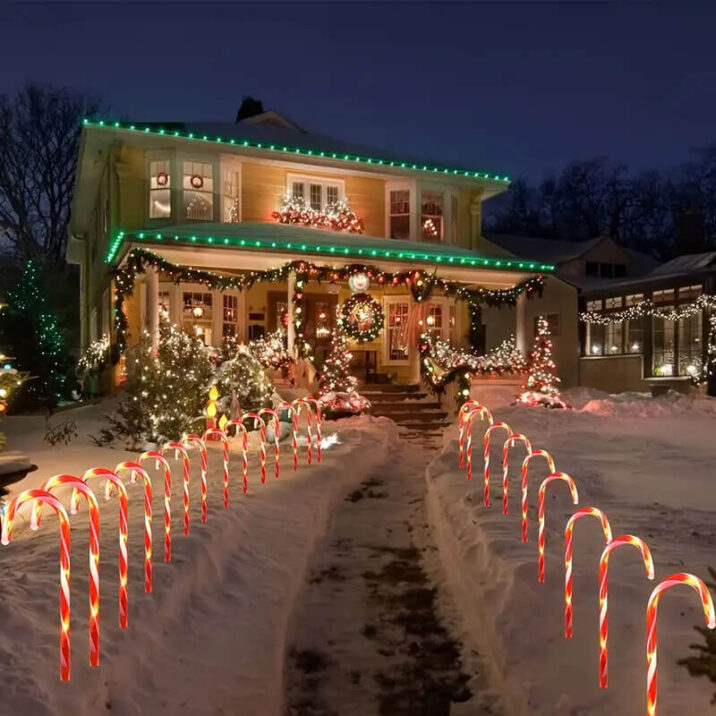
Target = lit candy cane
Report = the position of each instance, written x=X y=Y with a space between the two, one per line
x=274 y=417
x=651 y=613
x=294 y=431
x=216 y=432
x=179 y=448
x=186 y=439
x=568 y=530
x=466 y=408
x=510 y=442
x=244 y=449
x=525 y=477
x=540 y=511
x=604 y=591
x=137 y=469
x=46 y=498
x=482 y=412
x=486 y=454
x=93 y=510
x=159 y=460
x=123 y=503
x=262 y=438
x=298 y=404
x=319 y=418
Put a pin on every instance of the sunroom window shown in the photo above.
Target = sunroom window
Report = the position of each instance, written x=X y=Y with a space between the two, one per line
x=198 y=191
x=160 y=181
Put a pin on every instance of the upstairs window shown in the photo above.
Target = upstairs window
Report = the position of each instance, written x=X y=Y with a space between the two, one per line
x=317 y=193
x=198 y=191
x=431 y=215
x=453 y=220
x=160 y=179
x=231 y=207
x=400 y=214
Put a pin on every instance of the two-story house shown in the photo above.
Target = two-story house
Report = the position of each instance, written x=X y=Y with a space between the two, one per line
x=209 y=196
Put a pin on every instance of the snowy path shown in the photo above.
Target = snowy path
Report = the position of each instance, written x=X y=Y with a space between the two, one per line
x=370 y=634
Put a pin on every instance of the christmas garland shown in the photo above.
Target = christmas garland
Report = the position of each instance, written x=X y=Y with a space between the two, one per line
x=362 y=318
x=647 y=308
x=421 y=284
x=338 y=216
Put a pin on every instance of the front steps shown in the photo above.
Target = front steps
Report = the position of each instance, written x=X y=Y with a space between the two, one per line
x=407 y=405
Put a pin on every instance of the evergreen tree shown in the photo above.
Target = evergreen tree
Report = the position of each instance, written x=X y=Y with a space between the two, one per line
x=336 y=376
x=542 y=380
x=243 y=379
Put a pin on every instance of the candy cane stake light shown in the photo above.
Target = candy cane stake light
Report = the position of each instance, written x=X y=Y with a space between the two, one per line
x=465 y=410
x=276 y=454
x=486 y=454
x=262 y=438
x=161 y=461
x=298 y=404
x=482 y=412
x=568 y=531
x=103 y=472
x=555 y=476
x=510 y=442
x=707 y=605
x=187 y=439
x=137 y=469
x=525 y=477
x=294 y=431
x=319 y=419
x=604 y=594
x=93 y=510
x=179 y=449
x=240 y=428
x=216 y=432
x=46 y=498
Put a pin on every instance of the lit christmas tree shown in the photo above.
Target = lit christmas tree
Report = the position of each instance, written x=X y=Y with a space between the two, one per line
x=243 y=379
x=542 y=381
x=336 y=376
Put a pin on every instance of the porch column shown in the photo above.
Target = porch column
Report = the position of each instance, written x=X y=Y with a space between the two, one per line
x=522 y=329
x=152 y=279
x=290 y=328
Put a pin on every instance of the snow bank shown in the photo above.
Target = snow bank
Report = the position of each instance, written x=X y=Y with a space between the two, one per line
x=212 y=636
x=654 y=479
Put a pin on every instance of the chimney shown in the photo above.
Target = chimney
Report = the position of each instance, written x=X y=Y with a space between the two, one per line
x=690 y=231
x=250 y=107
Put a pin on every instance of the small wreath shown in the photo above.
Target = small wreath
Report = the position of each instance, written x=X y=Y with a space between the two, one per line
x=162 y=179
x=362 y=317
x=197 y=182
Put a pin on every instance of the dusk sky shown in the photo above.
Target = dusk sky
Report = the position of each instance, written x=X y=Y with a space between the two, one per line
x=511 y=87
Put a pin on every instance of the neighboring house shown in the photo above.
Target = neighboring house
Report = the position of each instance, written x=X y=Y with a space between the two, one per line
x=203 y=195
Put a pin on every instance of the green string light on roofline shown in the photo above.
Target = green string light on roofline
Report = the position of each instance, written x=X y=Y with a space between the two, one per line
x=305 y=152
x=328 y=249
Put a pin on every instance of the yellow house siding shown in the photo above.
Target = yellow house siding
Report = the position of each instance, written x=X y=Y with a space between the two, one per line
x=366 y=197
x=262 y=188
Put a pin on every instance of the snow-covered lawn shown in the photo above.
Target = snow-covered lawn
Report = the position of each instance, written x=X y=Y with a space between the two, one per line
x=649 y=464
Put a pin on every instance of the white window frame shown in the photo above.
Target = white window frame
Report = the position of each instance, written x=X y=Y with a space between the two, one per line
x=169 y=158
x=402 y=185
x=197 y=160
x=442 y=191
x=445 y=303
x=230 y=163
x=321 y=181
x=387 y=302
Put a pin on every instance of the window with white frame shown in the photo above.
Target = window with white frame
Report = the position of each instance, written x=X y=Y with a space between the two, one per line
x=316 y=192
x=230 y=317
x=399 y=217
x=230 y=193
x=160 y=181
x=397 y=311
x=453 y=220
x=198 y=191
x=431 y=215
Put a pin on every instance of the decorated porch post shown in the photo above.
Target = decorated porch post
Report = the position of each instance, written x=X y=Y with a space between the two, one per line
x=290 y=327
x=153 y=306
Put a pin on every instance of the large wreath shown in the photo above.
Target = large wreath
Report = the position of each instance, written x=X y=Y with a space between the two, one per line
x=362 y=317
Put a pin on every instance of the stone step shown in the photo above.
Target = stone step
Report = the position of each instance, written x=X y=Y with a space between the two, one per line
x=418 y=416
x=404 y=405
x=395 y=396
x=423 y=427
x=366 y=388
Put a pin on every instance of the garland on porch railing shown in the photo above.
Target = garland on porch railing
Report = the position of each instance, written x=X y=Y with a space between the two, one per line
x=421 y=284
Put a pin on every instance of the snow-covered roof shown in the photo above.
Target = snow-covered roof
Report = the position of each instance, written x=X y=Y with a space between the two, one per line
x=686 y=264
x=552 y=250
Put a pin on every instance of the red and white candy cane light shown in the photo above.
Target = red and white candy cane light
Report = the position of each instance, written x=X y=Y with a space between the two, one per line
x=525 y=477
x=707 y=605
x=161 y=461
x=486 y=454
x=465 y=410
x=568 y=531
x=273 y=415
x=93 y=510
x=481 y=412
x=44 y=497
x=137 y=469
x=240 y=428
x=178 y=449
x=298 y=404
x=510 y=442
x=106 y=474
x=319 y=419
x=555 y=476
x=294 y=431
x=187 y=439
x=604 y=595
x=217 y=433
x=262 y=438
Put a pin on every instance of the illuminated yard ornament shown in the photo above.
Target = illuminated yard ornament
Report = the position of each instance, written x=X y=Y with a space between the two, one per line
x=262 y=438
x=319 y=419
x=510 y=442
x=651 y=638
x=93 y=510
x=486 y=454
x=219 y=434
x=273 y=415
x=106 y=474
x=568 y=531
x=297 y=405
x=482 y=412
x=525 y=477
x=540 y=511
x=604 y=594
x=161 y=461
x=136 y=469
x=187 y=439
x=294 y=431
x=467 y=407
x=34 y=496
x=211 y=407
x=240 y=428
x=178 y=449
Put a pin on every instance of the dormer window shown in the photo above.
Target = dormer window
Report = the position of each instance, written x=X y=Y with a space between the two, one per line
x=198 y=191
x=160 y=181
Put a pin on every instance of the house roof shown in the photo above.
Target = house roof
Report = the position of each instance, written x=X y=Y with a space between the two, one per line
x=552 y=250
x=280 y=238
x=688 y=263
